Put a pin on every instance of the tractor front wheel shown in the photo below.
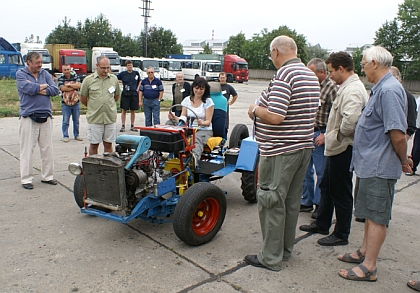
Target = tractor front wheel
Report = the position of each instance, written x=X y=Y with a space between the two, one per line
x=199 y=213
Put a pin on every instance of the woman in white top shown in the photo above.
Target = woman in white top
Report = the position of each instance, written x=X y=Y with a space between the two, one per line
x=201 y=103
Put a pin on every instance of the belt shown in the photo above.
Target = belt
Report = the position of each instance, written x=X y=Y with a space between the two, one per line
x=319 y=128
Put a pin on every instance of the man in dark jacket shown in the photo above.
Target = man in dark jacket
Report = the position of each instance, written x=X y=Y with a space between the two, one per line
x=180 y=90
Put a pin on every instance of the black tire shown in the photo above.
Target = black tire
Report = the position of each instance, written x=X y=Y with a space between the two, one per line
x=239 y=132
x=79 y=190
x=229 y=78
x=199 y=213
x=249 y=182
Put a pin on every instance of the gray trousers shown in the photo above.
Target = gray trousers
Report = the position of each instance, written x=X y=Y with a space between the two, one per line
x=201 y=138
x=279 y=192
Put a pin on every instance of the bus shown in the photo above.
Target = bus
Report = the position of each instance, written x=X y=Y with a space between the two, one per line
x=208 y=69
x=140 y=64
x=169 y=68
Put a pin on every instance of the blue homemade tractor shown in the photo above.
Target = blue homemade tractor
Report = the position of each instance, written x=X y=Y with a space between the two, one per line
x=154 y=176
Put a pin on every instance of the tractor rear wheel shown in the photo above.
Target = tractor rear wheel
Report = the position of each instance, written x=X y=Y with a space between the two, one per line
x=200 y=213
x=239 y=132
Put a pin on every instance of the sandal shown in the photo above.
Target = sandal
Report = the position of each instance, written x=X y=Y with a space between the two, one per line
x=369 y=276
x=348 y=258
x=416 y=285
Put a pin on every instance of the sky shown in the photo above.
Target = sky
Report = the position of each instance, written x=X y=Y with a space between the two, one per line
x=332 y=24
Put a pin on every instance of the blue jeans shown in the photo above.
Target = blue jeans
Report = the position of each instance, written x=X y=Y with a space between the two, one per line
x=311 y=193
x=74 y=112
x=151 y=107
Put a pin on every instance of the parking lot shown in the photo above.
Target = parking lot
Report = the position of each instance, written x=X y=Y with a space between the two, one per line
x=47 y=245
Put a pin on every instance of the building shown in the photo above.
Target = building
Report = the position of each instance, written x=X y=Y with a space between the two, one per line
x=196 y=46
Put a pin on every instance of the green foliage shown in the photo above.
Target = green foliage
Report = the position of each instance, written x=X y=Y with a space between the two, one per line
x=99 y=32
x=357 y=59
x=207 y=49
x=316 y=52
x=257 y=50
x=235 y=45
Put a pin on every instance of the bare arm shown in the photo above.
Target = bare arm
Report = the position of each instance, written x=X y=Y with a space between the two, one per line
x=264 y=115
x=233 y=100
x=83 y=100
x=399 y=143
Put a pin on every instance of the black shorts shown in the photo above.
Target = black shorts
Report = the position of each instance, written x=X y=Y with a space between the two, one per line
x=129 y=103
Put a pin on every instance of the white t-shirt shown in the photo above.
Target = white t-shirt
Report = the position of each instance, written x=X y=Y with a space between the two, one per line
x=200 y=111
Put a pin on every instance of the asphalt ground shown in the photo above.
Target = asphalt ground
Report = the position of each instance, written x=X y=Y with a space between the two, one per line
x=47 y=245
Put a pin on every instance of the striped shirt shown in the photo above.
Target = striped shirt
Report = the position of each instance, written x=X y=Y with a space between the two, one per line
x=294 y=94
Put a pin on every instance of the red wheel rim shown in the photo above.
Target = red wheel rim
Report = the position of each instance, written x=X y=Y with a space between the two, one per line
x=205 y=216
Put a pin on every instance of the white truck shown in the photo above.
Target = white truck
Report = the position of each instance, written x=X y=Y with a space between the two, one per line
x=113 y=57
x=25 y=48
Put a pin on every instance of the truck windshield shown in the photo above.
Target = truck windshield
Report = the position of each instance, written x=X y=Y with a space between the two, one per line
x=75 y=59
x=214 y=67
x=46 y=59
x=243 y=66
x=153 y=63
x=114 y=60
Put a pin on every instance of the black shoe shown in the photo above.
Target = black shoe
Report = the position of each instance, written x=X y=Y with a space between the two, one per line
x=332 y=240
x=28 y=186
x=313 y=228
x=315 y=213
x=122 y=129
x=304 y=208
x=133 y=129
x=360 y=220
x=253 y=261
x=50 y=182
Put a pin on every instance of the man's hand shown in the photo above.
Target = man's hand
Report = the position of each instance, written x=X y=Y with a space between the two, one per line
x=407 y=166
x=320 y=139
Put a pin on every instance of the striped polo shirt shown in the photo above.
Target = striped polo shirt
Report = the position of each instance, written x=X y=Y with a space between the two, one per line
x=293 y=93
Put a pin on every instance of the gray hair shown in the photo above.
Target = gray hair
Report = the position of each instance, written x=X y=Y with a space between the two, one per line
x=395 y=73
x=318 y=63
x=102 y=57
x=284 y=44
x=32 y=56
x=380 y=55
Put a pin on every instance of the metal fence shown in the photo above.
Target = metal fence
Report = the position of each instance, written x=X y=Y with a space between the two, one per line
x=410 y=85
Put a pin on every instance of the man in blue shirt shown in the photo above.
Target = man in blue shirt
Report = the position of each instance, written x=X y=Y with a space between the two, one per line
x=129 y=98
x=379 y=154
x=150 y=94
x=35 y=88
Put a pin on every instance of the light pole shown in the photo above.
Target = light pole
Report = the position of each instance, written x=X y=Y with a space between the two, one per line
x=146 y=15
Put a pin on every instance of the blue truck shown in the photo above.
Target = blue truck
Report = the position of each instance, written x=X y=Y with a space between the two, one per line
x=10 y=59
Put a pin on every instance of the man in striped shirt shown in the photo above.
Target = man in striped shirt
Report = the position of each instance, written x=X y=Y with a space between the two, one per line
x=284 y=127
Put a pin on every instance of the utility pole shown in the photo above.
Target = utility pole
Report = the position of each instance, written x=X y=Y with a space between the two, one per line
x=146 y=15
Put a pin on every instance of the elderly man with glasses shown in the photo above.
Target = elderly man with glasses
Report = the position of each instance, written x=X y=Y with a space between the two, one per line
x=150 y=95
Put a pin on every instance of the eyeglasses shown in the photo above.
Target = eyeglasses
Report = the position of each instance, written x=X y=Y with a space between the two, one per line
x=269 y=57
x=150 y=72
x=363 y=64
x=104 y=68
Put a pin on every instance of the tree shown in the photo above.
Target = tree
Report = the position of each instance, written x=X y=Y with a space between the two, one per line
x=31 y=39
x=207 y=49
x=409 y=17
x=389 y=37
x=64 y=34
x=235 y=44
x=257 y=50
x=161 y=42
x=316 y=52
x=357 y=59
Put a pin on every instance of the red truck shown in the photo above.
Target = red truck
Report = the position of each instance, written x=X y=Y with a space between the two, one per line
x=75 y=58
x=236 y=68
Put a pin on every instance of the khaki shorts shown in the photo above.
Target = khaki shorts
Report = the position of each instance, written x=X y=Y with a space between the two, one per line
x=97 y=133
x=374 y=197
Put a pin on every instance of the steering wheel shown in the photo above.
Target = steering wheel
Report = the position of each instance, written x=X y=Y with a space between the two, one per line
x=179 y=105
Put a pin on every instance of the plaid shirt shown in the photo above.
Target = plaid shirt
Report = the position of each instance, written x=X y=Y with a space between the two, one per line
x=328 y=94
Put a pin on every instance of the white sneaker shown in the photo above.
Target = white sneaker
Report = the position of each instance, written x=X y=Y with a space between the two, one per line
x=79 y=138
x=66 y=139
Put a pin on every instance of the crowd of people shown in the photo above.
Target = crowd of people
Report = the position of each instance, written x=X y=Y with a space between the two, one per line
x=311 y=120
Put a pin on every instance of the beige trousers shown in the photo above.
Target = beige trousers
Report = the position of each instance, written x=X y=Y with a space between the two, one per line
x=31 y=134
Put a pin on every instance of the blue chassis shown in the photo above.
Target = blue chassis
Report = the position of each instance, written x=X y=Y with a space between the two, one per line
x=153 y=207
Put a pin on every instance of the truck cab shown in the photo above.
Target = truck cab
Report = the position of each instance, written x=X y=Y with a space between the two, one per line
x=236 y=68
x=114 y=58
x=10 y=60
x=25 y=48
x=75 y=58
